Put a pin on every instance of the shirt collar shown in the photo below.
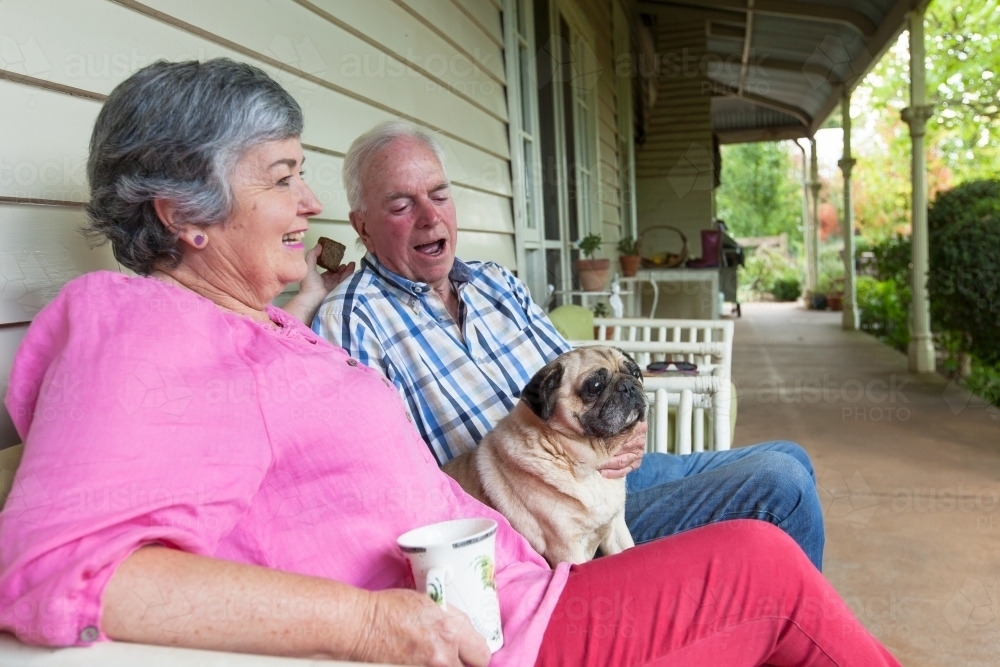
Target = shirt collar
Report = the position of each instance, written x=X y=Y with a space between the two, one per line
x=460 y=273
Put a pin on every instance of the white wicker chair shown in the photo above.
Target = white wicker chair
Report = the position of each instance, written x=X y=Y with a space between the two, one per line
x=698 y=399
x=708 y=343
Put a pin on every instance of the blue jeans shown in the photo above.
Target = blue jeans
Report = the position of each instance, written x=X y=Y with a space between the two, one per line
x=772 y=482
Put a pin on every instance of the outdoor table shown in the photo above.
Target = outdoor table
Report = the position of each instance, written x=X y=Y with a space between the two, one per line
x=683 y=280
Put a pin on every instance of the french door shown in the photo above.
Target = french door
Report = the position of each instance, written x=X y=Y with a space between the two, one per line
x=552 y=87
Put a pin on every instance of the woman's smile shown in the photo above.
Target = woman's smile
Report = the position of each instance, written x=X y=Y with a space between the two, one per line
x=293 y=240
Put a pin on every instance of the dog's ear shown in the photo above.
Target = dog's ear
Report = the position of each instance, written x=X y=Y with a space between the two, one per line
x=541 y=392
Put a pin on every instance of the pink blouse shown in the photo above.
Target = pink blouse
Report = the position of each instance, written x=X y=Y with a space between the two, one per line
x=151 y=416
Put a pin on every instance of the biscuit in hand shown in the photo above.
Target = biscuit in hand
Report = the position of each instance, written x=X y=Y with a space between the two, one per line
x=332 y=255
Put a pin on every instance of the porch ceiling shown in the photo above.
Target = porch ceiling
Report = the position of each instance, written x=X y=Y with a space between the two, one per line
x=778 y=68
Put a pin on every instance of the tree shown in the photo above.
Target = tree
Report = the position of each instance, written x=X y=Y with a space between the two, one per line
x=963 y=136
x=760 y=193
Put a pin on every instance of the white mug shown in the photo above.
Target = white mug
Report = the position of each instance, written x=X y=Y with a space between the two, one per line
x=453 y=561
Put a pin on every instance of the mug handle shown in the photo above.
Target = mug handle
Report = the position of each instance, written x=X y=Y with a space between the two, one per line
x=436 y=577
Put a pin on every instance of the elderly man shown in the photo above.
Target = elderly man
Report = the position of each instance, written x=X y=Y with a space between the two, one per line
x=460 y=339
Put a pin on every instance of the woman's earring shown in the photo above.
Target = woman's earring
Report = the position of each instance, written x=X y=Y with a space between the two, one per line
x=199 y=240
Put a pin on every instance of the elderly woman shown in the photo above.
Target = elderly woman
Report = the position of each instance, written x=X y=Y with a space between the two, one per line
x=200 y=470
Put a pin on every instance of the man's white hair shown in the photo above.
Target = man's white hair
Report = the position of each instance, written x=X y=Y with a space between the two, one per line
x=369 y=145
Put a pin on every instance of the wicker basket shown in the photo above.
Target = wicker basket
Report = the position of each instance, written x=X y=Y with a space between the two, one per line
x=662 y=260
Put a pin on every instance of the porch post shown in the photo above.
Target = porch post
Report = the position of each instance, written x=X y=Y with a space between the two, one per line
x=921 y=350
x=806 y=223
x=850 y=314
x=813 y=239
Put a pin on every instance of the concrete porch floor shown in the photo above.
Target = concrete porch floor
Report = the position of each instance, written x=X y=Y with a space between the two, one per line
x=908 y=470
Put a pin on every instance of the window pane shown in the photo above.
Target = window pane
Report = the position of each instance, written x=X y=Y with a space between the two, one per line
x=569 y=133
x=522 y=17
x=553 y=268
x=574 y=255
x=525 y=91
x=583 y=121
x=534 y=277
x=546 y=135
x=527 y=150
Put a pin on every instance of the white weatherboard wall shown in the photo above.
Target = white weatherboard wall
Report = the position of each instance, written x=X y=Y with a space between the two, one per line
x=349 y=64
x=674 y=166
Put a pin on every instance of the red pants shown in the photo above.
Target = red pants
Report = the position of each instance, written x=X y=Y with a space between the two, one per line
x=730 y=594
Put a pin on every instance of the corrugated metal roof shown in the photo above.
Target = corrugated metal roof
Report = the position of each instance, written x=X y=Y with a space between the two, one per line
x=803 y=54
x=732 y=113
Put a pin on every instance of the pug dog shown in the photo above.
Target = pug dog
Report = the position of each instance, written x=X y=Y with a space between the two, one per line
x=540 y=466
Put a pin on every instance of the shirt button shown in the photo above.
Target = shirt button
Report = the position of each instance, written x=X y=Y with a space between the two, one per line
x=89 y=634
x=352 y=362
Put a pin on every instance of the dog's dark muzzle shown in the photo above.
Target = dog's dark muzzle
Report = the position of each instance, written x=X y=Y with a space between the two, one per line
x=630 y=391
x=622 y=405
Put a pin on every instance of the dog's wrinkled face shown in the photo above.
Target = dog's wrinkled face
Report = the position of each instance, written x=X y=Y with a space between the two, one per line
x=591 y=392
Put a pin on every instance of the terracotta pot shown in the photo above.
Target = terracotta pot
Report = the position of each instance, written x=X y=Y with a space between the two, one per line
x=835 y=301
x=630 y=264
x=593 y=273
x=608 y=333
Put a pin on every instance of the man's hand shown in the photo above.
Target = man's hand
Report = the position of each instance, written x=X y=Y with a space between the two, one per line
x=407 y=628
x=315 y=286
x=629 y=458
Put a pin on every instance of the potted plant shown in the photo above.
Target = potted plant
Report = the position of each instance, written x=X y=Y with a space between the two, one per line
x=593 y=272
x=816 y=300
x=601 y=309
x=628 y=248
x=819 y=299
x=835 y=298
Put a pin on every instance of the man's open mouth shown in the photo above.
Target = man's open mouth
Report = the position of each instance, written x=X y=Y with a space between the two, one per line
x=431 y=249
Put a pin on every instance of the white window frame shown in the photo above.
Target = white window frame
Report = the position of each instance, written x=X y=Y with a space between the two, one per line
x=622 y=35
x=529 y=226
x=588 y=213
x=529 y=240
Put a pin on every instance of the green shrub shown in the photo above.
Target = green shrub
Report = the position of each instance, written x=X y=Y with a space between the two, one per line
x=764 y=268
x=882 y=306
x=830 y=274
x=985 y=381
x=892 y=259
x=964 y=277
x=787 y=289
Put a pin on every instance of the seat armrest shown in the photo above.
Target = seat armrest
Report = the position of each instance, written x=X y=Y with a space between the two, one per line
x=14 y=653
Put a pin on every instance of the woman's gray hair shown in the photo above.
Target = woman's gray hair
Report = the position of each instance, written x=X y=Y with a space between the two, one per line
x=175 y=131
x=369 y=145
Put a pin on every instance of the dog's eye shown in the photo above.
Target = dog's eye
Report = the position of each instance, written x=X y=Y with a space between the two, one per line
x=635 y=372
x=593 y=387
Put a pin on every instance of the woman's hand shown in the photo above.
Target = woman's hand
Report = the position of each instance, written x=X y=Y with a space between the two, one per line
x=315 y=286
x=407 y=628
x=279 y=613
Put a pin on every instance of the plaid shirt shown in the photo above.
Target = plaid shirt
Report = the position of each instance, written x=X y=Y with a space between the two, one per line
x=458 y=383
